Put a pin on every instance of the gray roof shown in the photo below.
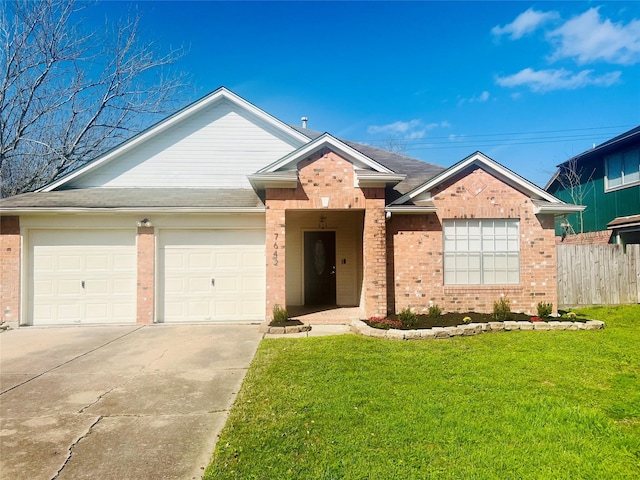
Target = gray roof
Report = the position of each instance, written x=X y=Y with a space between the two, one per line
x=196 y=199
x=201 y=199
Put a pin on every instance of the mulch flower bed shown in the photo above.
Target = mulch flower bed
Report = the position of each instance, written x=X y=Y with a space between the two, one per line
x=451 y=320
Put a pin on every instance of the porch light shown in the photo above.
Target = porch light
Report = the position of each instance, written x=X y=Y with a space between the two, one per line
x=145 y=222
x=325 y=202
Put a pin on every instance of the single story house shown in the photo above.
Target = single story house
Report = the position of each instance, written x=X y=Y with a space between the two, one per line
x=221 y=211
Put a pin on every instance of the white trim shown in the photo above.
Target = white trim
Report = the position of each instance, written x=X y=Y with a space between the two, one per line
x=218 y=95
x=622 y=185
x=376 y=179
x=64 y=210
x=325 y=140
x=556 y=209
x=481 y=253
x=284 y=179
x=411 y=210
x=486 y=163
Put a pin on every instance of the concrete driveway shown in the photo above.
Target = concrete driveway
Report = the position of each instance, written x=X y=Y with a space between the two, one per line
x=135 y=402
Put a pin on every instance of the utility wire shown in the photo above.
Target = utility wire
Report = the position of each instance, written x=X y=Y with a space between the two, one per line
x=450 y=142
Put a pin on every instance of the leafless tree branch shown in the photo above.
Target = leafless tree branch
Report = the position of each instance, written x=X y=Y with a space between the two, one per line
x=67 y=95
x=577 y=183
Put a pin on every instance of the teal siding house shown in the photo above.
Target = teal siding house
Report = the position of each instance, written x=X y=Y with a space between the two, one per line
x=605 y=179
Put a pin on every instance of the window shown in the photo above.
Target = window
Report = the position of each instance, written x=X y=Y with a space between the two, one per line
x=623 y=168
x=481 y=252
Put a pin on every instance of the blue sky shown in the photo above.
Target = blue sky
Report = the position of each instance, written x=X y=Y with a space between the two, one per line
x=527 y=83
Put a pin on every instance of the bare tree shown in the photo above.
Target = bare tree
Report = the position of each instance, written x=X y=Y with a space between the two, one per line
x=67 y=94
x=577 y=183
x=396 y=145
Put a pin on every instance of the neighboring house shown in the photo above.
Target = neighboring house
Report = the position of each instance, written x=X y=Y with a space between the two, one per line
x=221 y=211
x=606 y=179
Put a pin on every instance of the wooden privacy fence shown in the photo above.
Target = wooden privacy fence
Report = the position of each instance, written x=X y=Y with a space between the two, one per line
x=598 y=274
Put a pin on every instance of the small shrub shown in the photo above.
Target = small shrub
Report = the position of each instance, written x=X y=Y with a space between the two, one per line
x=502 y=309
x=384 y=323
x=571 y=315
x=280 y=314
x=544 y=309
x=408 y=318
x=434 y=311
x=466 y=320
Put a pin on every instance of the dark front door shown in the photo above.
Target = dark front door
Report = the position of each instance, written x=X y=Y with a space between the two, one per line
x=320 y=268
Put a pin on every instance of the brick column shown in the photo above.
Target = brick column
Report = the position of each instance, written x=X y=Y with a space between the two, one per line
x=146 y=275
x=374 y=254
x=10 y=269
x=276 y=269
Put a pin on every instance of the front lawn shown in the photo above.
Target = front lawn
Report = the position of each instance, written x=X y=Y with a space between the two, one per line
x=527 y=404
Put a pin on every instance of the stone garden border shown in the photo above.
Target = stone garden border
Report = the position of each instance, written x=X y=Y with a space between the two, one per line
x=360 y=327
x=282 y=330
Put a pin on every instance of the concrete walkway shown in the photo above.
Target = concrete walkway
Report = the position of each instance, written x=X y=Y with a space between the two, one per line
x=117 y=402
x=317 y=330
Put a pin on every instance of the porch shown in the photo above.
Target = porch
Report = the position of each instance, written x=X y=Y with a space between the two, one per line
x=327 y=315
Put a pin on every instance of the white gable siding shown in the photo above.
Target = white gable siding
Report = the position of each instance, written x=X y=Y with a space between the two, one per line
x=217 y=147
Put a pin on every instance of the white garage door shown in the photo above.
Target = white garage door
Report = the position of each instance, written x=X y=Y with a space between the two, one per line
x=83 y=276
x=212 y=275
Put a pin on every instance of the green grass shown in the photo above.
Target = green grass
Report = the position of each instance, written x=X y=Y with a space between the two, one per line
x=530 y=404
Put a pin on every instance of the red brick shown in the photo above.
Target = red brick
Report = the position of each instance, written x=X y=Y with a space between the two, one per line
x=146 y=275
x=415 y=261
x=10 y=268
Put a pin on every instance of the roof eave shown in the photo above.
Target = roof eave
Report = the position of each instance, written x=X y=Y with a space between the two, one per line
x=558 y=209
x=623 y=226
x=411 y=210
x=624 y=138
x=80 y=210
x=317 y=144
x=378 y=179
x=480 y=159
x=262 y=181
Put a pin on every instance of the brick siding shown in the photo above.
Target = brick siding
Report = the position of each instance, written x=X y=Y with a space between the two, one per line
x=326 y=174
x=10 y=269
x=589 y=238
x=146 y=275
x=415 y=249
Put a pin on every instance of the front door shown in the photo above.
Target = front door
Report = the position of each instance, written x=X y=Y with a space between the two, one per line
x=320 y=268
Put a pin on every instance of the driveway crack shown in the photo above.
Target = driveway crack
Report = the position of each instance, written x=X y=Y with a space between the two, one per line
x=71 y=360
x=73 y=445
x=100 y=397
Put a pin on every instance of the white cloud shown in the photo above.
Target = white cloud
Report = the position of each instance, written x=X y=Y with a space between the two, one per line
x=525 y=23
x=395 y=127
x=411 y=129
x=558 y=79
x=483 y=97
x=588 y=38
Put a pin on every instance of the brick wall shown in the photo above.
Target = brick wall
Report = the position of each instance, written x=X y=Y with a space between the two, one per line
x=275 y=254
x=10 y=269
x=146 y=275
x=326 y=174
x=589 y=238
x=374 y=244
x=415 y=259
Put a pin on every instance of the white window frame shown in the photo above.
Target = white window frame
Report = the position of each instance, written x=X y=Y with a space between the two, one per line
x=473 y=248
x=626 y=157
